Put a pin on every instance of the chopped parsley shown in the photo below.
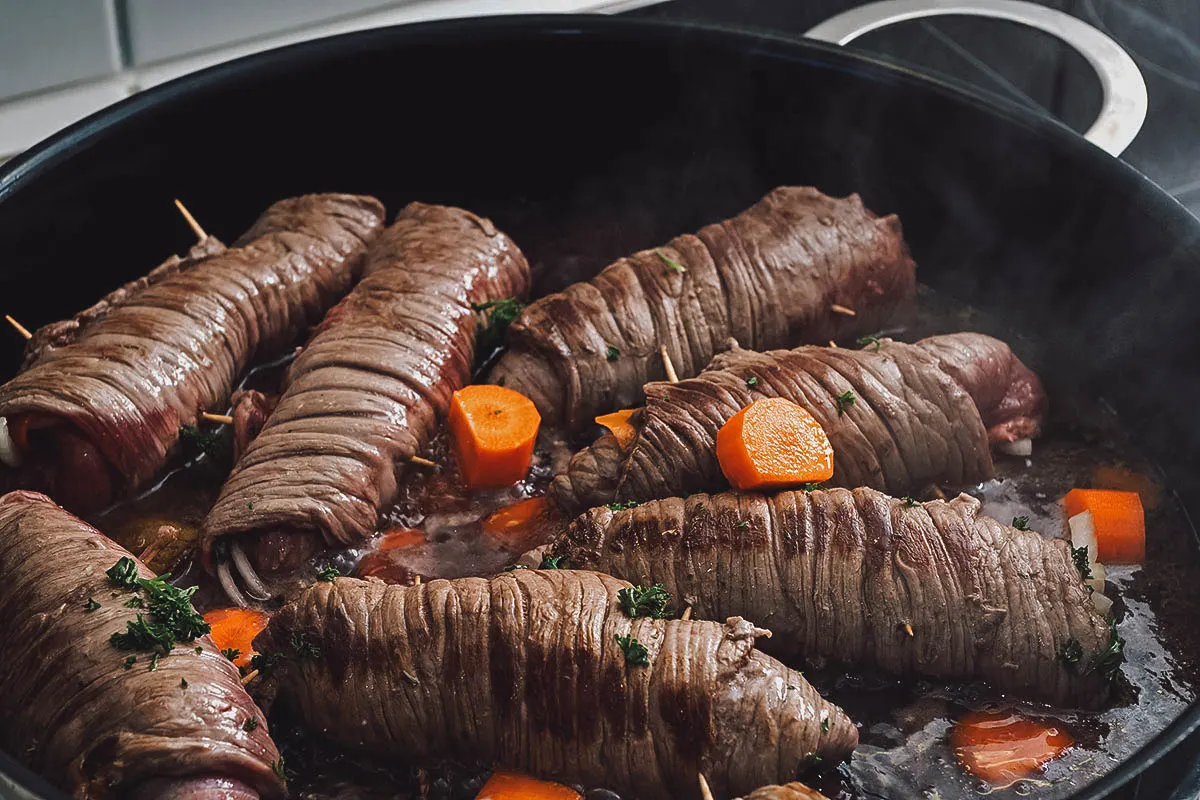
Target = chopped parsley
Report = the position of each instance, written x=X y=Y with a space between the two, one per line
x=812 y=487
x=153 y=662
x=611 y=353
x=552 y=562
x=129 y=662
x=171 y=617
x=646 y=601
x=250 y=724
x=304 y=649
x=1072 y=651
x=135 y=602
x=863 y=341
x=328 y=574
x=199 y=650
x=264 y=663
x=622 y=506
x=672 y=264
x=1082 y=563
x=123 y=573
x=231 y=653
x=1021 y=523
x=844 y=401
x=1108 y=661
x=183 y=684
x=91 y=605
x=909 y=501
x=279 y=769
x=751 y=382
x=744 y=524
x=635 y=652
x=825 y=725
x=250 y=505
x=201 y=442
x=500 y=314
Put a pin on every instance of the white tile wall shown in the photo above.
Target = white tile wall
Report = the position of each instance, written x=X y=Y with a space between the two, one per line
x=46 y=43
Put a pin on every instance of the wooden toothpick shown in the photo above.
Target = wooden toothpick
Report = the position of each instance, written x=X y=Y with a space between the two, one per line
x=223 y=419
x=191 y=221
x=672 y=376
x=705 y=792
x=21 y=329
x=423 y=462
x=846 y=312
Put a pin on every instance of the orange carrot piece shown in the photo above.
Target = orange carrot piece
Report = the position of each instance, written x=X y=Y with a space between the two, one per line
x=235 y=629
x=1120 y=523
x=1002 y=747
x=773 y=444
x=493 y=431
x=382 y=562
x=505 y=785
x=618 y=423
x=519 y=515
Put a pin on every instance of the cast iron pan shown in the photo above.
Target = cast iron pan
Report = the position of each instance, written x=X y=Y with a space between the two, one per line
x=598 y=136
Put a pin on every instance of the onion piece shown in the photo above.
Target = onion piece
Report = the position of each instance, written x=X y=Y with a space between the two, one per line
x=1102 y=602
x=1021 y=447
x=1083 y=533
x=1098 y=577
x=9 y=454
x=229 y=585
x=254 y=585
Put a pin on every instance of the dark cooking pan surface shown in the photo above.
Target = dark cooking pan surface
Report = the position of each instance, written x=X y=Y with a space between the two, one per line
x=588 y=138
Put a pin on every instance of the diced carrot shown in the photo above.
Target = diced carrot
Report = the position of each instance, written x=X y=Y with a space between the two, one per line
x=505 y=785
x=1119 y=521
x=517 y=516
x=1001 y=746
x=1126 y=480
x=382 y=562
x=235 y=629
x=618 y=423
x=400 y=537
x=493 y=430
x=773 y=444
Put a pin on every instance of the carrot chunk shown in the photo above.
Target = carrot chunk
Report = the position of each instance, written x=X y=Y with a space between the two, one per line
x=383 y=563
x=1119 y=521
x=773 y=444
x=505 y=785
x=235 y=629
x=1001 y=746
x=517 y=516
x=493 y=431
x=618 y=423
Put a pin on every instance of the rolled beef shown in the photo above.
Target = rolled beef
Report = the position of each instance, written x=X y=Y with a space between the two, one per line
x=525 y=671
x=768 y=277
x=75 y=712
x=845 y=576
x=97 y=413
x=922 y=413
x=366 y=393
x=790 y=791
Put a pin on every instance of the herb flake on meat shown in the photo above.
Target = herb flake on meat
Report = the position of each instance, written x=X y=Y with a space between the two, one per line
x=304 y=649
x=751 y=382
x=1083 y=563
x=135 y=602
x=197 y=441
x=183 y=684
x=552 y=562
x=265 y=662
x=618 y=506
x=231 y=653
x=279 y=769
x=250 y=724
x=909 y=501
x=863 y=341
x=646 y=601
x=672 y=264
x=1021 y=523
x=635 y=652
x=1072 y=651
x=813 y=487
x=328 y=574
x=171 y=618
x=123 y=573
x=500 y=314
x=129 y=662
x=611 y=353
x=91 y=606
x=844 y=401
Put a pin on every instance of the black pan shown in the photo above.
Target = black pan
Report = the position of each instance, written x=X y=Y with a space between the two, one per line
x=586 y=138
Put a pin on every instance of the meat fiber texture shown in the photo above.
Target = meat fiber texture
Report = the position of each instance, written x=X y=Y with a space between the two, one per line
x=368 y=391
x=73 y=712
x=767 y=278
x=844 y=576
x=922 y=413
x=131 y=374
x=524 y=671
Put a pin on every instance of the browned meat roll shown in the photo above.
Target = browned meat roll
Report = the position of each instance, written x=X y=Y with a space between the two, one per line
x=846 y=575
x=366 y=393
x=99 y=410
x=531 y=670
x=920 y=413
x=790 y=791
x=767 y=277
x=102 y=722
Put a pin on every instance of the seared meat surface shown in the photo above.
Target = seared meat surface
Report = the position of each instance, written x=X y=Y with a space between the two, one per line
x=921 y=413
x=98 y=414
x=524 y=671
x=845 y=575
x=767 y=277
x=789 y=791
x=369 y=390
x=74 y=710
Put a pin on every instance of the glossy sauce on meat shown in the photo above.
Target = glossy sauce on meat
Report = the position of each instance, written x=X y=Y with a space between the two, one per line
x=904 y=726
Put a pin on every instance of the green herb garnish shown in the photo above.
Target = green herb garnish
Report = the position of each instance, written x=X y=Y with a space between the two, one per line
x=1021 y=523
x=171 y=616
x=812 y=487
x=628 y=504
x=265 y=662
x=751 y=382
x=279 y=769
x=153 y=662
x=231 y=653
x=672 y=264
x=863 y=341
x=646 y=601
x=909 y=501
x=500 y=314
x=552 y=562
x=199 y=650
x=135 y=602
x=744 y=524
x=304 y=649
x=635 y=652
x=844 y=401
x=1108 y=661
x=201 y=442
x=250 y=724
x=91 y=606
x=123 y=573
x=1072 y=651
x=611 y=353
x=825 y=725
x=328 y=574
x=1082 y=563
x=129 y=662
x=183 y=684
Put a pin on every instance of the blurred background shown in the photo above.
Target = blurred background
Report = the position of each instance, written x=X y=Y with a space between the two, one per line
x=63 y=59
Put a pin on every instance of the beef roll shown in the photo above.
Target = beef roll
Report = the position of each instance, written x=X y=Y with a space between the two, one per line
x=98 y=710
x=922 y=590
x=98 y=410
x=543 y=671
x=769 y=277
x=365 y=395
x=916 y=414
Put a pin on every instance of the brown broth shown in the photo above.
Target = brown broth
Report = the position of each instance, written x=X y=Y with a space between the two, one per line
x=904 y=751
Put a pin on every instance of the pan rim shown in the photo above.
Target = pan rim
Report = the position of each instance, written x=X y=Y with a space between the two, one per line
x=1178 y=222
